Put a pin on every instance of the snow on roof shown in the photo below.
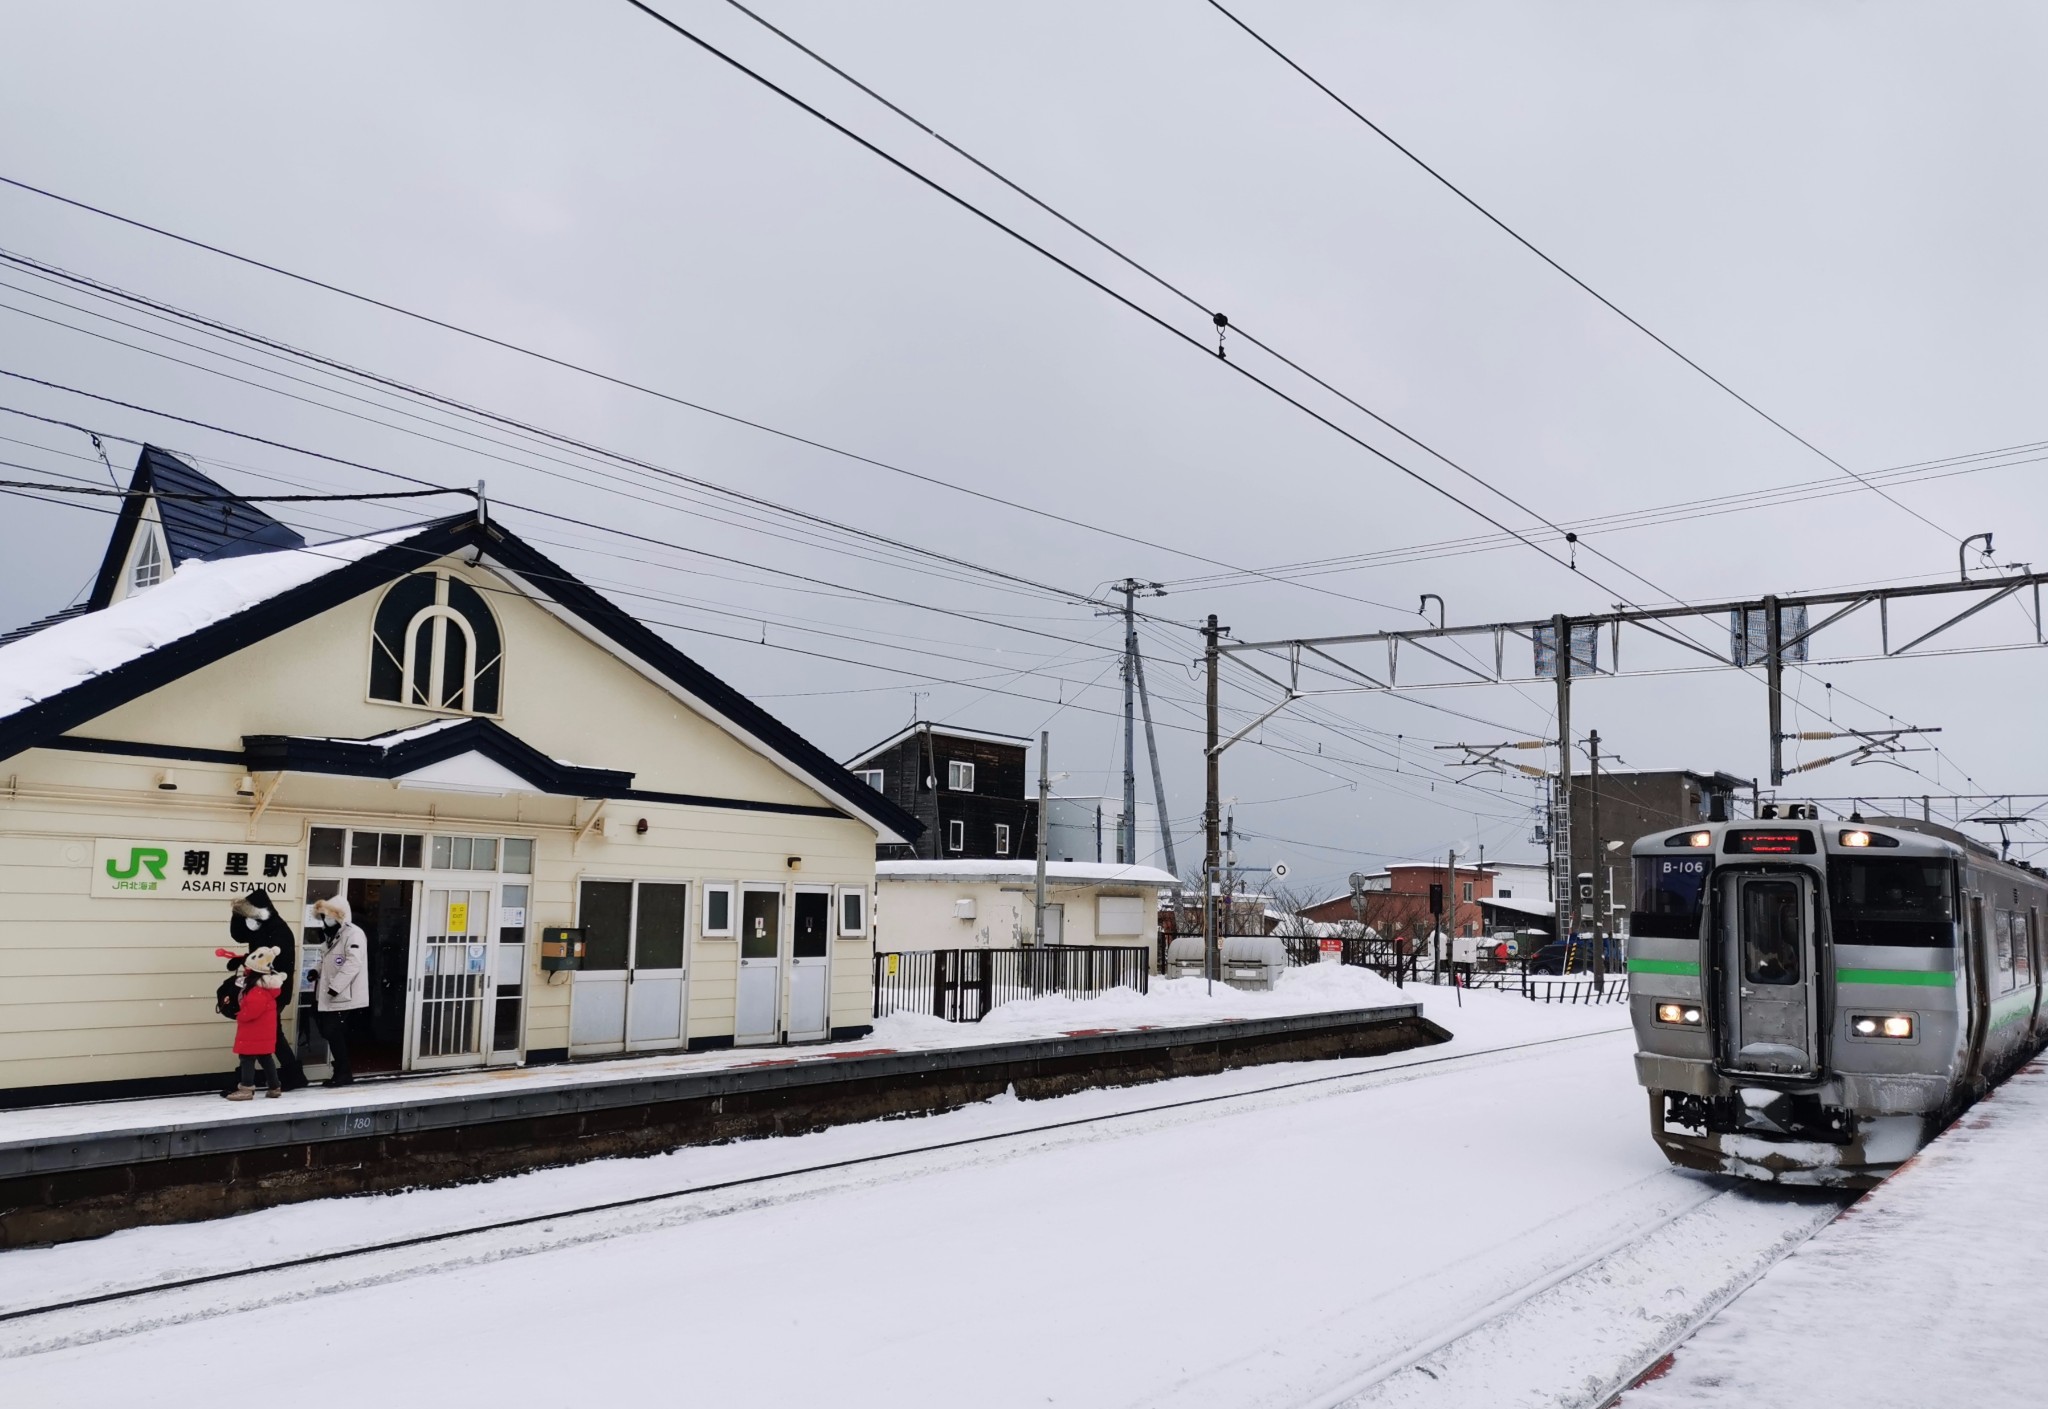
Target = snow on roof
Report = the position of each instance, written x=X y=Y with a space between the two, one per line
x=391 y=738
x=1062 y=872
x=943 y=731
x=67 y=653
x=1519 y=906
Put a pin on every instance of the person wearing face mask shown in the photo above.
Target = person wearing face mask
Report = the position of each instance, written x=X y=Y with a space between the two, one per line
x=255 y=923
x=342 y=981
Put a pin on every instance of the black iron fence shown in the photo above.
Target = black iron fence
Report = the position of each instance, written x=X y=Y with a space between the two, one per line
x=966 y=985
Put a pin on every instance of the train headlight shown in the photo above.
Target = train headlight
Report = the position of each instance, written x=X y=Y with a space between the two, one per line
x=1679 y=1014
x=1898 y=1026
x=1700 y=839
x=1855 y=839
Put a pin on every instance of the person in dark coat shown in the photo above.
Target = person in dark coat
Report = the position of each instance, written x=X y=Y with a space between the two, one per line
x=255 y=924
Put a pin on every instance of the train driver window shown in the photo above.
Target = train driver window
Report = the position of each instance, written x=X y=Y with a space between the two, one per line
x=1770 y=932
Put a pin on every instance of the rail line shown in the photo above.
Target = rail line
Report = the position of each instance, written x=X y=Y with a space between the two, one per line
x=1365 y=1078
x=1597 y=1276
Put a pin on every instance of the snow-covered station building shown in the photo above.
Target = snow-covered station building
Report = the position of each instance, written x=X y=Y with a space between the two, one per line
x=453 y=732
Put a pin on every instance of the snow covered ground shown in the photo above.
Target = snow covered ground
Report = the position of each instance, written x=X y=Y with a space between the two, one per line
x=1316 y=988
x=1927 y=1293
x=1301 y=1240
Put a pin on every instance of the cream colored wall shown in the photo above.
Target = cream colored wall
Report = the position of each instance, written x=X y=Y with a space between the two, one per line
x=699 y=845
x=590 y=708
x=105 y=989
x=97 y=989
x=918 y=914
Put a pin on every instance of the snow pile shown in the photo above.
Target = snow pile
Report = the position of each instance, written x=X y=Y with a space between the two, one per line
x=1927 y=1292
x=1172 y=1002
x=198 y=595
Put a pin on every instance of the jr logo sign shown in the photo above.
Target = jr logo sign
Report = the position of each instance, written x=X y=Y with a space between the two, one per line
x=181 y=870
x=151 y=858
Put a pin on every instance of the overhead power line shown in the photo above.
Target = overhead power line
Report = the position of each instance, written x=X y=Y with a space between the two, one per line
x=1526 y=244
x=525 y=508
x=230 y=498
x=627 y=384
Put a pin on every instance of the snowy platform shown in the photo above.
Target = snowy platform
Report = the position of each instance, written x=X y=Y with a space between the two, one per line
x=78 y=1170
x=1926 y=1292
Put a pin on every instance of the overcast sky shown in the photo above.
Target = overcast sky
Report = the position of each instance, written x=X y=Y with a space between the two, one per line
x=1835 y=208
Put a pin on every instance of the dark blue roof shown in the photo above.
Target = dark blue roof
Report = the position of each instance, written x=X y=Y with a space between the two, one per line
x=224 y=528
x=31 y=628
x=214 y=525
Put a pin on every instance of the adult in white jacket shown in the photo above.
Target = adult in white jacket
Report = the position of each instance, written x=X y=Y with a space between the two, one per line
x=342 y=981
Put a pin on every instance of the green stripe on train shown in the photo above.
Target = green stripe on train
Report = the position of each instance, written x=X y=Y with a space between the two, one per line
x=1911 y=978
x=1685 y=968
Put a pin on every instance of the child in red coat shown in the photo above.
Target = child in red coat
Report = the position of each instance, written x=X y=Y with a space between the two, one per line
x=256 y=1024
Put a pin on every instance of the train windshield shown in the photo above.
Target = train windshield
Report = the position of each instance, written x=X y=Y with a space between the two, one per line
x=1668 y=894
x=1903 y=902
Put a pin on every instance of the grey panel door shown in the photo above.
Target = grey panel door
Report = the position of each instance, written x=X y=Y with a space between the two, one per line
x=1767 y=973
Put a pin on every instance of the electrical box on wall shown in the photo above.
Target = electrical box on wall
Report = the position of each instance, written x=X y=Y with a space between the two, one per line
x=963 y=909
x=561 y=948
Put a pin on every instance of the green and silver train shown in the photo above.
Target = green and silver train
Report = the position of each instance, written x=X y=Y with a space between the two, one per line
x=1813 y=1001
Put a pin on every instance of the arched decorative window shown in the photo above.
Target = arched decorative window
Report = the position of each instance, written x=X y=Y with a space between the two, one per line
x=436 y=644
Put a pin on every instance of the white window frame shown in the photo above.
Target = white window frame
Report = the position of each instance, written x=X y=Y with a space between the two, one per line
x=149 y=557
x=1002 y=838
x=730 y=891
x=956 y=835
x=959 y=776
x=860 y=925
x=1466 y=893
x=429 y=678
x=871 y=776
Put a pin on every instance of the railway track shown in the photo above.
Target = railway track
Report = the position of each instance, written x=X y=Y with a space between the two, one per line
x=106 y=1314
x=1578 y=1333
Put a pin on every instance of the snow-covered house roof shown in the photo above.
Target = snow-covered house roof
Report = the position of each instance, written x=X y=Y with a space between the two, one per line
x=80 y=666
x=1015 y=872
x=1517 y=905
x=200 y=521
x=947 y=731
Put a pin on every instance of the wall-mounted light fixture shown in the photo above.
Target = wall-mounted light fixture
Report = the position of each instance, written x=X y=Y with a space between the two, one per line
x=641 y=826
x=796 y=863
x=247 y=787
x=167 y=781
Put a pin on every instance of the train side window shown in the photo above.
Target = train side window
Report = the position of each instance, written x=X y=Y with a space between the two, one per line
x=2001 y=928
x=2022 y=950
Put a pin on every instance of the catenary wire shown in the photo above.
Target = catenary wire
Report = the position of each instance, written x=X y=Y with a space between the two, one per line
x=1519 y=239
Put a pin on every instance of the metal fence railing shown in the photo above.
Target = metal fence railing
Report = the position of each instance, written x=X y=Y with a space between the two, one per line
x=966 y=985
x=1381 y=956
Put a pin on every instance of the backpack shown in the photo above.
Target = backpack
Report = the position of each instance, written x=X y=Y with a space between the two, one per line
x=227 y=999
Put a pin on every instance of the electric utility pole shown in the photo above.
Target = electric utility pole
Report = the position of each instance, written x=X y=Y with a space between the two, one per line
x=1599 y=861
x=1127 y=832
x=1044 y=790
x=1774 y=680
x=1563 y=881
x=1450 y=920
x=1212 y=757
